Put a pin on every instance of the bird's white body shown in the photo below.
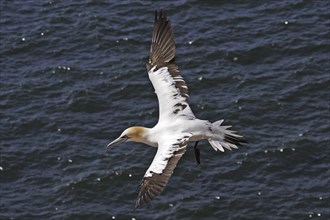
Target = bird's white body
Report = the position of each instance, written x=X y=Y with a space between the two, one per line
x=197 y=128
x=177 y=124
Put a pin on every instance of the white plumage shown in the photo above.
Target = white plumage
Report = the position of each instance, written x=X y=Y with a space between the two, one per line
x=177 y=124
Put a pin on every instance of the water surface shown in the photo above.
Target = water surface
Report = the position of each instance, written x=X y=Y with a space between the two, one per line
x=73 y=77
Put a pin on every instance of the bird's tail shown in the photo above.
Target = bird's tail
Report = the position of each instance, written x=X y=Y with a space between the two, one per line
x=224 y=138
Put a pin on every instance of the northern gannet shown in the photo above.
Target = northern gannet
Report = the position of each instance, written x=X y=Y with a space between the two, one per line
x=177 y=124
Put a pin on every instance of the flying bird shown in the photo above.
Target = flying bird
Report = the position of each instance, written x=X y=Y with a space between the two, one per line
x=177 y=124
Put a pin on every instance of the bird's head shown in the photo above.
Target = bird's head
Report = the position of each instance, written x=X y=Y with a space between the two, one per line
x=135 y=133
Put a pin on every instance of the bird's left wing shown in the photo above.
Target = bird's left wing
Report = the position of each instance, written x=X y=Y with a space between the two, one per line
x=155 y=179
x=170 y=87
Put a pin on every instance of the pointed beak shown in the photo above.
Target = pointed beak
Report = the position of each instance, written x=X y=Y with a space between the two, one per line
x=117 y=141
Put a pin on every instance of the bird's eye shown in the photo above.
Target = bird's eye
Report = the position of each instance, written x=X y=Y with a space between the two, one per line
x=124 y=136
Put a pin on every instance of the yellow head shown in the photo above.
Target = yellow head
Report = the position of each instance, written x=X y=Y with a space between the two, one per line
x=135 y=133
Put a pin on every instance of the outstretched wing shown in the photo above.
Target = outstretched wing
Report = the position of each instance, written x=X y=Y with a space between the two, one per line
x=171 y=89
x=155 y=179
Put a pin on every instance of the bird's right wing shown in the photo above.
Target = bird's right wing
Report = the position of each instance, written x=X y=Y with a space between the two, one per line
x=168 y=154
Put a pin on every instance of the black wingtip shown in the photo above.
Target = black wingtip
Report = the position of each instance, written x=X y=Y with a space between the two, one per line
x=161 y=14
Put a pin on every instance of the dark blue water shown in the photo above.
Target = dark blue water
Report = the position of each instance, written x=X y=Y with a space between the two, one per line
x=73 y=77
